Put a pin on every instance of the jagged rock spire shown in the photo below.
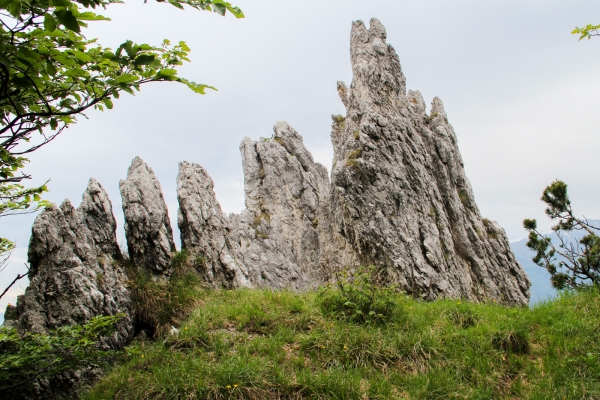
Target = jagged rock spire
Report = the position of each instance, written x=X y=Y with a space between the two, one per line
x=147 y=226
x=205 y=232
x=399 y=192
x=278 y=231
x=73 y=277
x=96 y=209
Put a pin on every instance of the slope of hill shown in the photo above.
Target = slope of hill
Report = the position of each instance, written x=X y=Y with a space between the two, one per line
x=253 y=344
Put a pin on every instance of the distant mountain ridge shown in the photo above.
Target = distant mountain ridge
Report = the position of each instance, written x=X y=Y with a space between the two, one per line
x=541 y=288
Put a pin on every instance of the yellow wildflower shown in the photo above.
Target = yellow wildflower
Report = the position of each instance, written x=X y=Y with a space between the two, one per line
x=235 y=386
x=228 y=386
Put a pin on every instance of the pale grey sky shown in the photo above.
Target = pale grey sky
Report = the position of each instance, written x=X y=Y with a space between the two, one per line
x=522 y=94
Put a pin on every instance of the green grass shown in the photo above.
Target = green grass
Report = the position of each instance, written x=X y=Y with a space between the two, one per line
x=253 y=344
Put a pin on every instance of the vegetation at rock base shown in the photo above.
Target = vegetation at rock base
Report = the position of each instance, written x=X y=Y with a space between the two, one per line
x=159 y=305
x=261 y=344
x=27 y=359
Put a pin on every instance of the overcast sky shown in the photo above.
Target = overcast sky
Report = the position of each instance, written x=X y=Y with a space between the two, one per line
x=522 y=94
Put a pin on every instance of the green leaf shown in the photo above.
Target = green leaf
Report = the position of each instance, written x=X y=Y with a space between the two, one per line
x=169 y=72
x=127 y=78
x=220 y=9
x=109 y=103
x=49 y=23
x=60 y=3
x=144 y=59
x=176 y=4
x=67 y=18
x=14 y=8
x=53 y=124
x=4 y=60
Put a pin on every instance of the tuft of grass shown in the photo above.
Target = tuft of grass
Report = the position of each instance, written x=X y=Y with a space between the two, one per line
x=489 y=228
x=430 y=118
x=351 y=158
x=464 y=198
x=261 y=344
x=158 y=305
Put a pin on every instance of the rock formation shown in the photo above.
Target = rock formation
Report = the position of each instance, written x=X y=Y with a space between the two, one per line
x=72 y=276
x=398 y=198
x=205 y=232
x=147 y=226
x=399 y=191
x=286 y=195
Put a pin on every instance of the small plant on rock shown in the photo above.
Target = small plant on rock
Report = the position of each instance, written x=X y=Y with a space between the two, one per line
x=357 y=297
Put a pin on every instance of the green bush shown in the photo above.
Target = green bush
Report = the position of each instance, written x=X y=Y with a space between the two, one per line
x=27 y=359
x=357 y=297
x=157 y=305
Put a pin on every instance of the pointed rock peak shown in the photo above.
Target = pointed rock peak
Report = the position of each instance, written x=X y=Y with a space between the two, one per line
x=375 y=65
x=437 y=107
x=416 y=101
x=139 y=167
x=147 y=225
x=292 y=141
x=96 y=210
x=66 y=206
x=343 y=92
x=406 y=205
x=376 y=30
x=205 y=229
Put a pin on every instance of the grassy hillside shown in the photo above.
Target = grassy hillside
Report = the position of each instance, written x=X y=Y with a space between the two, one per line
x=252 y=344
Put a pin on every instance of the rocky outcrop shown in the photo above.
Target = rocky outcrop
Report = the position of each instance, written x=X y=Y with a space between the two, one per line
x=286 y=194
x=399 y=191
x=205 y=232
x=96 y=210
x=72 y=274
x=147 y=225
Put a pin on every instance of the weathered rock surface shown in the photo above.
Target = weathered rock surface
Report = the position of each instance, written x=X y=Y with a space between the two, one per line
x=205 y=232
x=399 y=191
x=286 y=196
x=147 y=225
x=73 y=277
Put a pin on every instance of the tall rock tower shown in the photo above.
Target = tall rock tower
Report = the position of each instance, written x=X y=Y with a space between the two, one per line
x=399 y=193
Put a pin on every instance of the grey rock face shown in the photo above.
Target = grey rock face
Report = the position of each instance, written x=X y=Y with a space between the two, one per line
x=205 y=231
x=147 y=225
x=399 y=191
x=96 y=209
x=286 y=192
x=73 y=278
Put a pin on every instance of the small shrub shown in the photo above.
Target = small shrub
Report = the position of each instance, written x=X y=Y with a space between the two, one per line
x=157 y=305
x=27 y=359
x=462 y=317
x=463 y=198
x=338 y=118
x=516 y=342
x=351 y=158
x=431 y=117
x=358 y=298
